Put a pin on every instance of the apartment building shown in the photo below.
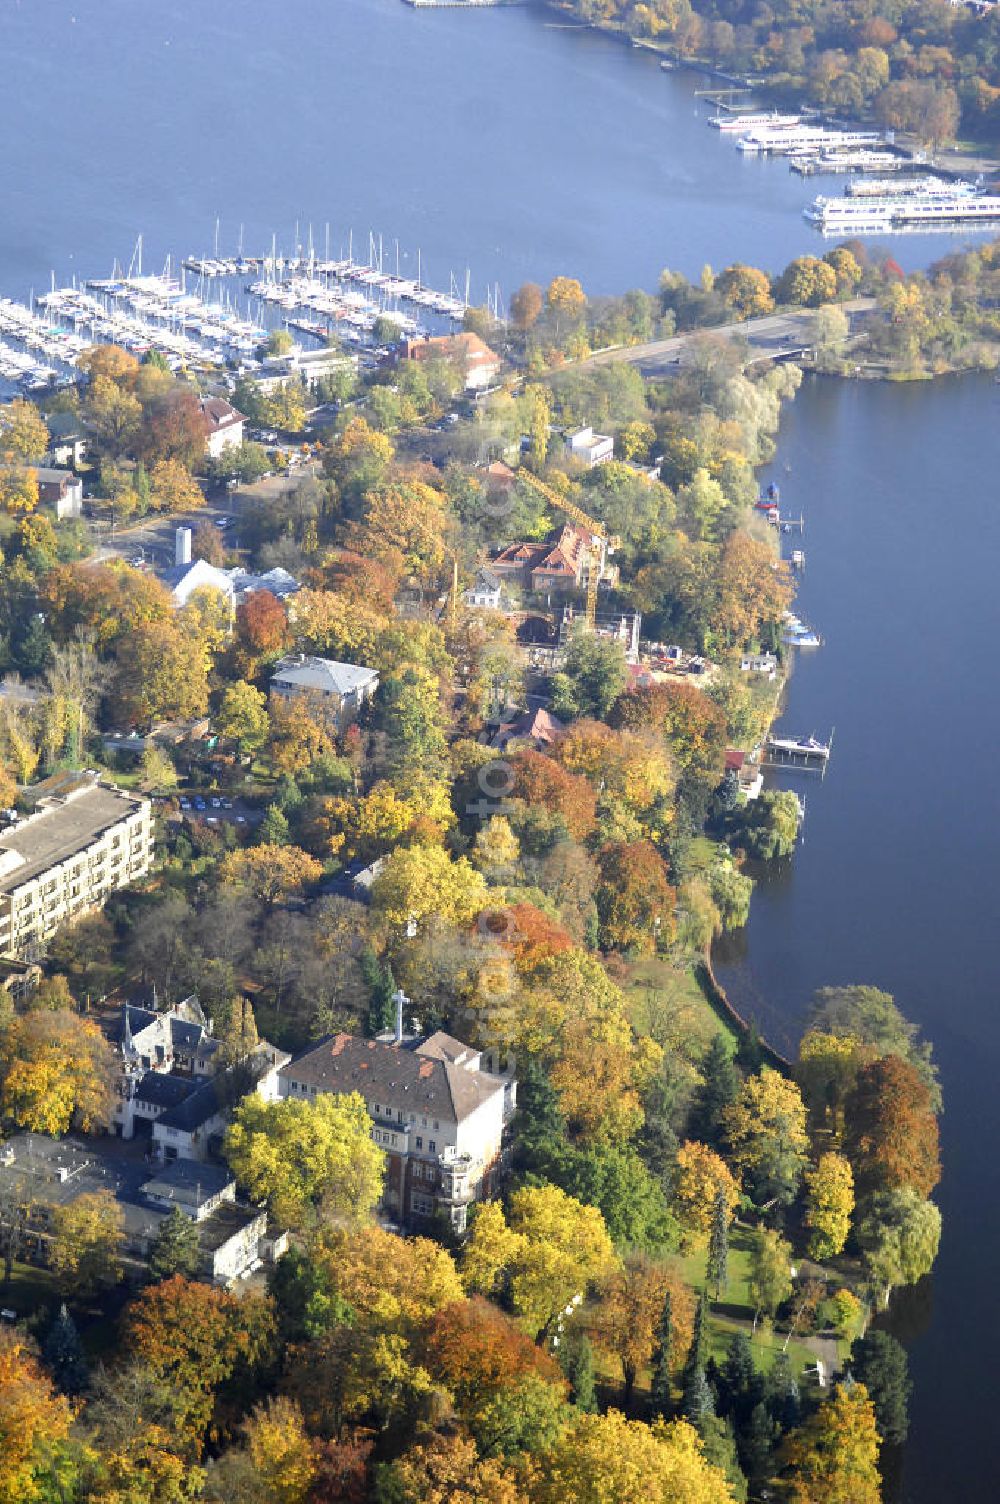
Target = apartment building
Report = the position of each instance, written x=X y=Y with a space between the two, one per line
x=441 y=1119
x=83 y=840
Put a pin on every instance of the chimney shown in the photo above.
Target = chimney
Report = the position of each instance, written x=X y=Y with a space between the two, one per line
x=182 y=546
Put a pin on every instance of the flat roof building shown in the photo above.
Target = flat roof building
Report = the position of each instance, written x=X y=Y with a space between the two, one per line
x=84 y=840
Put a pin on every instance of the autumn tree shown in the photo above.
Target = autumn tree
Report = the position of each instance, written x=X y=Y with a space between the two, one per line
x=754 y=589
x=829 y=1205
x=807 y=282
x=297 y=739
x=834 y=1455
x=745 y=289
x=172 y=488
x=242 y=717
x=24 y=438
x=891 y=1133
x=700 y=1176
x=541 y=781
x=261 y=624
x=448 y=1470
x=766 y=1127
x=87 y=1238
x=604 y=1458
x=870 y=1016
x=283 y=1457
x=18 y=490
x=475 y=1349
x=271 y=873
x=34 y=1424
x=635 y=901
x=826 y=1071
x=693 y=726
x=194 y=1338
x=548 y=1254
x=173 y=431
x=56 y=1068
x=419 y=882
x=161 y=672
x=526 y=305
x=566 y=301
x=300 y=1155
x=630 y=1312
x=406 y=518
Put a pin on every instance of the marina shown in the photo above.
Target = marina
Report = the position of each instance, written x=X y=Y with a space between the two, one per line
x=207 y=316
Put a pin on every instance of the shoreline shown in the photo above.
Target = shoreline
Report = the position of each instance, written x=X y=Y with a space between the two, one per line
x=965 y=163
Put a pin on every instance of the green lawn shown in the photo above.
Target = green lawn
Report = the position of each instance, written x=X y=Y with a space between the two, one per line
x=734 y=1309
x=666 y=1003
x=27 y=1290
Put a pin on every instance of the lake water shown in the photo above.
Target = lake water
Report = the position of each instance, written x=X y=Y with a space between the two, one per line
x=895 y=880
x=493 y=140
x=500 y=143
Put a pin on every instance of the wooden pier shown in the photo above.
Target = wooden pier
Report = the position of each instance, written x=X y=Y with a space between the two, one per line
x=780 y=753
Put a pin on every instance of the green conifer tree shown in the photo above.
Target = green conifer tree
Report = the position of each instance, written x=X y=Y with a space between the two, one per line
x=659 y=1391
x=717 y=1268
x=63 y=1353
x=175 y=1249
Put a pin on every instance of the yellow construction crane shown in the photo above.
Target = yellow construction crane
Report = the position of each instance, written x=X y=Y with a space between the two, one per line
x=600 y=543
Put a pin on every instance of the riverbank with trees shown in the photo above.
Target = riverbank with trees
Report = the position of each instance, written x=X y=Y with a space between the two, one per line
x=929 y=70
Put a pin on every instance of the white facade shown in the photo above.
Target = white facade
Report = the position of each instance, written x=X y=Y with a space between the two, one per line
x=590 y=448
x=82 y=843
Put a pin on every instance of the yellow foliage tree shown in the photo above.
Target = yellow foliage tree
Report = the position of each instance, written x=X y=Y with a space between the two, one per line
x=34 y=1422
x=296 y=739
x=323 y=621
x=173 y=488
x=766 y=1126
x=87 y=1239
x=392 y=1284
x=407 y=517
x=699 y=1176
x=18 y=490
x=270 y=872
x=298 y=1155
x=829 y=1205
x=834 y=1456
x=551 y=1251
x=419 y=882
x=55 y=1067
x=283 y=1454
x=606 y=1459
x=24 y=438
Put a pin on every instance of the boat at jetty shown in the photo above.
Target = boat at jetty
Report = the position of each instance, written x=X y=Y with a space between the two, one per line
x=782 y=141
x=809 y=164
x=742 y=121
x=808 y=747
x=946 y=204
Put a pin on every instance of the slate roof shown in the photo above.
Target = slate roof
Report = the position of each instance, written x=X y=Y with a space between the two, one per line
x=180 y=1177
x=325 y=674
x=431 y=1083
x=161 y=1089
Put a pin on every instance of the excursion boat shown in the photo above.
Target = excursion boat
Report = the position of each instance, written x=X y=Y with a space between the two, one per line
x=945 y=204
x=738 y=122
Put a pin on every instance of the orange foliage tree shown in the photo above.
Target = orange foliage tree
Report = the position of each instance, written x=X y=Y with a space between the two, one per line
x=195 y=1338
x=539 y=780
x=891 y=1134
